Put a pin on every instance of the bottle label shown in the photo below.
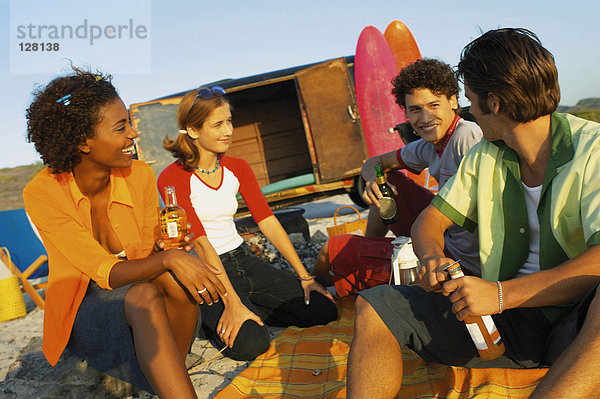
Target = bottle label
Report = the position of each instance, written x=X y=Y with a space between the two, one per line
x=491 y=327
x=388 y=208
x=172 y=229
x=477 y=337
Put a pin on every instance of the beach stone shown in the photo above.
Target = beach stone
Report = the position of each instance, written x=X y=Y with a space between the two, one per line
x=319 y=238
x=297 y=238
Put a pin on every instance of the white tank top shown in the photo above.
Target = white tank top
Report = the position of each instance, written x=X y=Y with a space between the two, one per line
x=532 y=200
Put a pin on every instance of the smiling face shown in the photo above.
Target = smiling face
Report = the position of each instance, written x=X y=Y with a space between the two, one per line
x=112 y=144
x=215 y=134
x=430 y=115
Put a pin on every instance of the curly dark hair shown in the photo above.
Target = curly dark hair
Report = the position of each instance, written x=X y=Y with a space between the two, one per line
x=56 y=127
x=426 y=73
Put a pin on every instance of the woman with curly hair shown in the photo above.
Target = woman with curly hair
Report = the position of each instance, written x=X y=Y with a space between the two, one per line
x=207 y=182
x=114 y=298
x=427 y=91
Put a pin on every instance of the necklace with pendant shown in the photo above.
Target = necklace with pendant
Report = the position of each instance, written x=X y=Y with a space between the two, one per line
x=208 y=172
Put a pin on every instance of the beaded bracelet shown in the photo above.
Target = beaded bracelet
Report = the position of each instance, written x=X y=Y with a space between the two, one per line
x=500 y=299
x=309 y=278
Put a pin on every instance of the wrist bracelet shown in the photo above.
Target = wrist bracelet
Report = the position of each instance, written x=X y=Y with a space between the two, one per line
x=500 y=301
x=309 y=278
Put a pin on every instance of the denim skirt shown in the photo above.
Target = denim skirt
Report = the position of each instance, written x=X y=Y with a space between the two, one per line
x=102 y=337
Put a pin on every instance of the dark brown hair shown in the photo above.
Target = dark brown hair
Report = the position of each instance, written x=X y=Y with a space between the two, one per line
x=427 y=73
x=191 y=112
x=58 y=128
x=512 y=64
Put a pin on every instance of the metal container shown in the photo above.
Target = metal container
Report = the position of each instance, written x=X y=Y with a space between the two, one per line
x=405 y=264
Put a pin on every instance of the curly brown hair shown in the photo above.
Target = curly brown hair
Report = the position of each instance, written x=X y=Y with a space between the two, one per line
x=57 y=127
x=426 y=73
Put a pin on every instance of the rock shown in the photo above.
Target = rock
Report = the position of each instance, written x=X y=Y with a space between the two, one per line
x=319 y=238
x=297 y=238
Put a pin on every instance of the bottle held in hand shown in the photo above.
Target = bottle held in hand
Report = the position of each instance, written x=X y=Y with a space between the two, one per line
x=482 y=329
x=173 y=221
x=387 y=212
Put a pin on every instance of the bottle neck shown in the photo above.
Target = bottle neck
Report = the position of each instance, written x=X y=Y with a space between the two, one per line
x=380 y=180
x=170 y=198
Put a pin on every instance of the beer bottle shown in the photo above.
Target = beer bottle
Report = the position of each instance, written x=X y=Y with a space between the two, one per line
x=482 y=329
x=387 y=212
x=173 y=221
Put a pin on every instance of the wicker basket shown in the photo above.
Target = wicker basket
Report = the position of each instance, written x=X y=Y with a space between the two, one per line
x=12 y=304
x=348 y=227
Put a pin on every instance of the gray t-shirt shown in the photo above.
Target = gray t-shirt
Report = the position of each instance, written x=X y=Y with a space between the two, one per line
x=419 y=154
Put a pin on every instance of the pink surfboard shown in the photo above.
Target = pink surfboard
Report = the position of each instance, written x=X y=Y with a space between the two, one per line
x=403 y=44
x=374 y=69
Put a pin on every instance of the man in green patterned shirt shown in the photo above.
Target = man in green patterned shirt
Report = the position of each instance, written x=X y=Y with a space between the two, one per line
x=532 y=187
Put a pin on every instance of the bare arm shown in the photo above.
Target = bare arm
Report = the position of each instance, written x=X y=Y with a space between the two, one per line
x=275 y=233
x=428 y=243
x=565 y=283
x=193 y=273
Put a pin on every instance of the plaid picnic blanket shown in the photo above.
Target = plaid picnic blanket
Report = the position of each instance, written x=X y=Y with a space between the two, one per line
x=311 y=363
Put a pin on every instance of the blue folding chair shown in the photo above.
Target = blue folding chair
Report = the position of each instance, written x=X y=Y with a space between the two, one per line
x=22 y=251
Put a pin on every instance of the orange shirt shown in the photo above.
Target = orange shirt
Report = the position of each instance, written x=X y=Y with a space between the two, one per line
x=62 y=214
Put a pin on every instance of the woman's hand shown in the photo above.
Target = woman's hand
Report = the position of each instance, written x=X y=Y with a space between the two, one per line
x=159 y=245
x=313 y=285
x=196 y=275
x=234 y=315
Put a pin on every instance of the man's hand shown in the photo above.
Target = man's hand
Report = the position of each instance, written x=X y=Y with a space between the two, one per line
x=372 y=194
x=472 y=296
x=432 y=274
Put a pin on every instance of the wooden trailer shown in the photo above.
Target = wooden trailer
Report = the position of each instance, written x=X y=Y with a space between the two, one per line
x=299 y=129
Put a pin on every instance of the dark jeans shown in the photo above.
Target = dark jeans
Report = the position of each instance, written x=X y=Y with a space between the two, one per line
x=274 y=295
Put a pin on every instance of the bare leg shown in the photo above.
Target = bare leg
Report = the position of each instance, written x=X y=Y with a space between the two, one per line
x=375 y=227
x=156 y=348
x=182 y=311
x=373 y=350
x=322 y=268
x=575 y=373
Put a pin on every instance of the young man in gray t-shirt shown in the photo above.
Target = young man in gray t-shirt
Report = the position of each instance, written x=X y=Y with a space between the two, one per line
x=427 y=90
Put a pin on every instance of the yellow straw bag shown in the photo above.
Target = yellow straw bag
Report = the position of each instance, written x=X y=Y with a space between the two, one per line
x=12 y=304
x=348 y=227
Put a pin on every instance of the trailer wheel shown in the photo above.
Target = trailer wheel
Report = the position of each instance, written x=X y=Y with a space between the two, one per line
x=356 y=193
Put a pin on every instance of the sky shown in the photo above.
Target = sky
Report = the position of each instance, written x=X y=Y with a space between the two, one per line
x=189 y=43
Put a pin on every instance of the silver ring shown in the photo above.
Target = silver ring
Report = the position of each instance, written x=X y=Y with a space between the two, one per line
x=222 y=331
x=201 y=291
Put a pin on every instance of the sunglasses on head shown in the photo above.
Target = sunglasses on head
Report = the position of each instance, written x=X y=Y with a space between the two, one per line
x=208 y=93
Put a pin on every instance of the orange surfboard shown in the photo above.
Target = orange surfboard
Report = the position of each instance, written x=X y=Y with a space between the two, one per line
x=405 y=51
x=403 y=44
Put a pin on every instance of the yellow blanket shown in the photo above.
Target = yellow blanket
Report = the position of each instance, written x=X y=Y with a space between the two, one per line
x=311 y=363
